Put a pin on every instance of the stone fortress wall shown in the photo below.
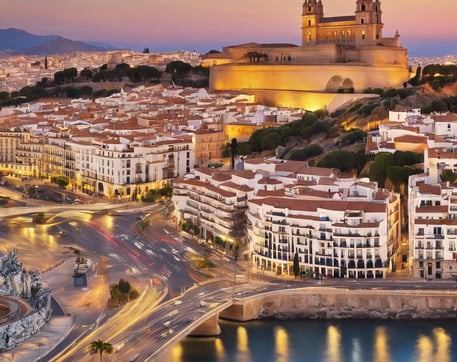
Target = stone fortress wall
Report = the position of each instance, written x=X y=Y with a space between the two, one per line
x=307 y=78
x=309 y=86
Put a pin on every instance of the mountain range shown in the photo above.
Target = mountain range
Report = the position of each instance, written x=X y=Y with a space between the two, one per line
x=19 y=42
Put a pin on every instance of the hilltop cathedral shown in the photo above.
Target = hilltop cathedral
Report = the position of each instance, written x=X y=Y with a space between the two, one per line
x=339 y=57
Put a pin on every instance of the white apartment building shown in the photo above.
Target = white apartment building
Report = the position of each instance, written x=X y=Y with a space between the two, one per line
x=218 y=211
x=432 y=228
x=338 y=227
x=110 y=166
x=334 y=238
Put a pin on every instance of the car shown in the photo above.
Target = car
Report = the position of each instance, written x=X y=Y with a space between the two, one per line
x=150 y=252
x=119 y=346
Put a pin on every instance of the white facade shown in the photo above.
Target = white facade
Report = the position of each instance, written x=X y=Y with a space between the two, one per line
x=334 y=238
x=338 y=227
x=432 y=229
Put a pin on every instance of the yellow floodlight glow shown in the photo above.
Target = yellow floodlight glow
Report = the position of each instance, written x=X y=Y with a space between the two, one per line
x=281 y=344
x=381 y=347
x=334 y=344
x=424 y=349
x=243 y=340
x=220 y=349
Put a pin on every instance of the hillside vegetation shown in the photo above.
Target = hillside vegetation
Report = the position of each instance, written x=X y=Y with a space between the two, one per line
x=338 y=140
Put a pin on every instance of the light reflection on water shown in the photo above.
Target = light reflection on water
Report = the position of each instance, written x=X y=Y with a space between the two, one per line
x=324 y=341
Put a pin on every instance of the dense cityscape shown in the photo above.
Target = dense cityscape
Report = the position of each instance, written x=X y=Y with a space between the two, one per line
x=153 y=201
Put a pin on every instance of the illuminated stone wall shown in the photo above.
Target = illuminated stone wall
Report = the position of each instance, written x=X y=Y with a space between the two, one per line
x=304 y=86
x=315 y=78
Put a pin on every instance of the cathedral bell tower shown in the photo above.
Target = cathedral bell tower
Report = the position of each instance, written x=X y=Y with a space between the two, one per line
x=368 y=16
x=313 y=12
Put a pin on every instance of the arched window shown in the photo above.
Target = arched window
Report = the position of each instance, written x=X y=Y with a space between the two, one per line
x=364 y=34
x=362 y=21
x=363 y=8
x=310 y=37
x=309 y=22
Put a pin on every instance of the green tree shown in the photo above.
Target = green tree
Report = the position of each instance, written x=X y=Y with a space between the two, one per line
x=306 y=153
x=406 y=158
x=341 y=159
x=86 y=74
x=166 y=191
x=255 y=56
x=59 y=77
x=70 y=74
x=270 y=141
x=378 y=169
x=124 y=286
x=4 y=96
x=233 y=153
x=62 y=181
x=296 y=265
x=178 y=66
x=399 y=175
x=99 y=346
x=448 y=176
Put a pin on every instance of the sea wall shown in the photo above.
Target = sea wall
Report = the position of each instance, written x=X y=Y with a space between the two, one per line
x=333 y=303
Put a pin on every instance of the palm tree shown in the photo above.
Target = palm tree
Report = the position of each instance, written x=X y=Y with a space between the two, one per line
x=100 y=346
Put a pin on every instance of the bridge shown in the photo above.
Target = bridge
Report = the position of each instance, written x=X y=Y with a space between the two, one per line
x=18 y=211
x=197 y=312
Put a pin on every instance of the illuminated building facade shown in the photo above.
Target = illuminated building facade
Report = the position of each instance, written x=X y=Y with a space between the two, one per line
x=338 y=56
x=432 y=229
x=356 y=237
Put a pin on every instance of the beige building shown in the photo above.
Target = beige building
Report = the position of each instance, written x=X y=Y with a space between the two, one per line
x=338 y=55
x=208 y=145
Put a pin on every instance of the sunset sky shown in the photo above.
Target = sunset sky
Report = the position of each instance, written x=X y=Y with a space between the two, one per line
x=426 y=27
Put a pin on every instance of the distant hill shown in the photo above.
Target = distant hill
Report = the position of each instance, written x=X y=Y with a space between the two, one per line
x=61 y=45
x=16 y=39
x=19 y=42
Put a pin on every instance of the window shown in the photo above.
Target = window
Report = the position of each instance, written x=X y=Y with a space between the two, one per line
x=310 y=37
x=362 y=21
x=363 y=7
x=309 y=22
x=364 y=35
